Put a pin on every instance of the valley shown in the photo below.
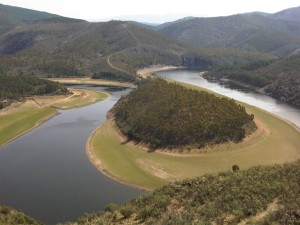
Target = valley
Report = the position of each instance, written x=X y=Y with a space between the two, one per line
x=85 y=123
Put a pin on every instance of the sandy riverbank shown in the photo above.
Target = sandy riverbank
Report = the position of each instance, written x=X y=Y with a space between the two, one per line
x=146 y=72
x=275 y=141
x=87 y=80
x=99 y=165
x=21 y=117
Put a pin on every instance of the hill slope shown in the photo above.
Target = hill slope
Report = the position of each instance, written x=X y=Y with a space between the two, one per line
x=9 y=216
x=292 y=14
x=12 y=16
x=278 y=78
x=248 y=32
x=260 y=195
x=68 y=47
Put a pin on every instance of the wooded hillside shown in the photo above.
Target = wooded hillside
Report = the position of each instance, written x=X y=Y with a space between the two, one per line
x=260 y=195
x=18 y=87
x=168 y=115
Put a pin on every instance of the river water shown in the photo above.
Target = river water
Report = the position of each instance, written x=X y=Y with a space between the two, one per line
x=46 y=173
x=236 y=92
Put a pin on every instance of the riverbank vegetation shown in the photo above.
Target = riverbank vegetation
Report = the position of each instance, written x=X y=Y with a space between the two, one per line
x=15 y=88
x=164 y=114
x=116 y=76
x=279 y=78
x=259 y=195
x=275 y=141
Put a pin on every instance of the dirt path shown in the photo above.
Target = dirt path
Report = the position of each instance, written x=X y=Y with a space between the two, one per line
x=258 y=217
x=139 y=43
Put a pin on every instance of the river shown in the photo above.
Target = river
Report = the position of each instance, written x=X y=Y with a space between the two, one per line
x=46 y=173
x=269 y=104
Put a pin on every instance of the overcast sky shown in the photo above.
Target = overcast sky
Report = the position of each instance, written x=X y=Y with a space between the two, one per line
x=151 y=10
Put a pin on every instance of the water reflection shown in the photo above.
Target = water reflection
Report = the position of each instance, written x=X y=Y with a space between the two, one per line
x=237 y=92
x=46 y=173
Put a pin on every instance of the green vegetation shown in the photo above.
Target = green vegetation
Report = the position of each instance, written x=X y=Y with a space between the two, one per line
x=250 y=32
x=279 y=78
x=275 y=141
x=113 y=50
x=9 y=216
x=118 y=76
x=20 y=121
x=259 y=195
x=165 y=114
x=11 y=16
x=18 y=87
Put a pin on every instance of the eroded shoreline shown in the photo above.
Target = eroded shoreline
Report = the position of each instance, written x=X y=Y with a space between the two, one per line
x=261 y=132
x=47 y=105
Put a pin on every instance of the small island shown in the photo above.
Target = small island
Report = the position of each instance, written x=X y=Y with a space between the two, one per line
x=167 y=115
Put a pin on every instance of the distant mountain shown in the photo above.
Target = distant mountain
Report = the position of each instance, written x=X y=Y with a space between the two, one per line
x=12 y=16
x=292 y=14
x=68 y=47
x=251 y=32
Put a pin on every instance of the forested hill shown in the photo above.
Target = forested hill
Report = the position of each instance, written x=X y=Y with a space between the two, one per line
x=253 y=31
x=11 y=16
x=292 y=14
x=165 y=114
x=278 y=78
x=17 y=87
x=113 y=50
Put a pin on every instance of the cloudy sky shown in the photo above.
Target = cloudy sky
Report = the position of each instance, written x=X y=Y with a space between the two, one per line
x=152 y=10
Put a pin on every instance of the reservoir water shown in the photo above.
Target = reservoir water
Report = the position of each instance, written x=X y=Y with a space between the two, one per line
x=269 y=104
x=46 y=173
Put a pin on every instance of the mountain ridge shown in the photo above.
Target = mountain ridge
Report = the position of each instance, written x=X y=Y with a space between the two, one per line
x=242 y=31
x=11 y=16
x=292 y=14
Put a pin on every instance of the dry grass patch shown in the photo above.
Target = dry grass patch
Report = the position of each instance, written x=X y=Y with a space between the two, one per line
x=21 y=117
x=87 y=80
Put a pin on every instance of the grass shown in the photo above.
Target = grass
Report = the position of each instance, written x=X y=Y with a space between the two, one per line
x=279 y=143
x=21 y=120
x=81 y=98
x=18 y=120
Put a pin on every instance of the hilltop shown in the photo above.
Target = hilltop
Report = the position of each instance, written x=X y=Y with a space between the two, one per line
x=163 y=114
x=12 y=16
x=292 y=14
